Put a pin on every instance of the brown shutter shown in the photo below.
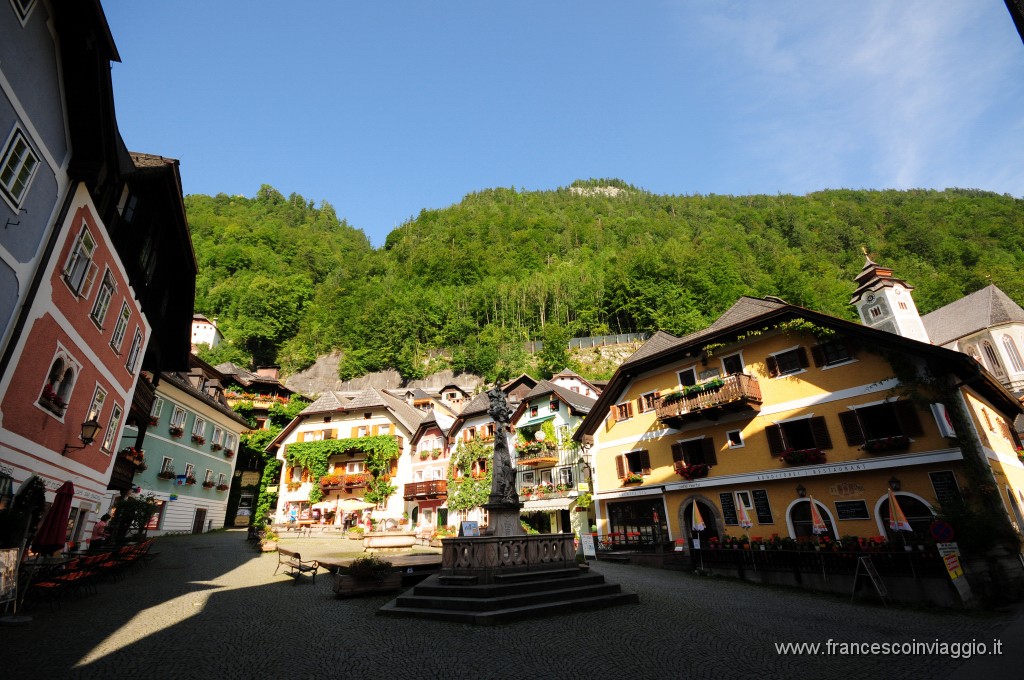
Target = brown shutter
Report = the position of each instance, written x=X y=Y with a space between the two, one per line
x=610 y=422
x=818 y=355
x=620 y=466
x=300 y=437
x=906 y=413
x=851 y=428
x=677 y=453
x=355 y=432
x=773 y=366
x=710 y=455
x=645 y=462
x=801 y=354
x=820 y=433
x=775 y=443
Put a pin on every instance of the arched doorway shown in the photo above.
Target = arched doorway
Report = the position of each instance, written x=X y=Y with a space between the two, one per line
x=800 y=523
x=709 y=513
x=919 y=516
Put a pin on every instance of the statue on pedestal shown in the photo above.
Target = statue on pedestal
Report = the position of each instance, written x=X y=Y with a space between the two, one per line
x=503 y=475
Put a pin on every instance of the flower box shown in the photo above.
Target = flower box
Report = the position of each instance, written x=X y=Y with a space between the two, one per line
x=633 y=478
x=222 y=487
x=176 y=431
x=215 y=447
x=435 y=454
x=198 y=440
x=153 y=420
x=691 y=472
x=54 y=405
x=424 y=455
x=165 y=474
x=208 y=485
x=190 y=480
x=228 y=453
x=803 y=456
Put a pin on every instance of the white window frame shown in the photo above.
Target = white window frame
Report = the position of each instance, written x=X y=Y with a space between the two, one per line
x=218 y=436
x=565 y=476
x=230 y=442
x=798 y=371
x=640 y=403
x=15 y=166
x=199 y=428
x=688 y=369
x=117 y=339
x=166 y=464
x=157 y=408
x=80 y=270
x=732 y=445
x=417 y=476
x=190 y=470
x=99 y=395
x=437 y=473
x=112 y=426
x=208 y=477
x=102 y=304
x=629 y=409
x=222 y=479
x=1014 y=355
x=62 y=390
x=177 y=421
x=528 y=477
x=133 y=353
x=355 y=467
x=739 y=355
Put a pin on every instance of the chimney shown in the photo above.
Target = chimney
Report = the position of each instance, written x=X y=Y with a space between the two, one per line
x=272 y=372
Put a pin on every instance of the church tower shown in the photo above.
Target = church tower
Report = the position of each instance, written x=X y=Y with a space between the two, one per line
x=884 y=302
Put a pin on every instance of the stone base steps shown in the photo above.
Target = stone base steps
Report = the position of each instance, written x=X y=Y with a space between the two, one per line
x=509 y=597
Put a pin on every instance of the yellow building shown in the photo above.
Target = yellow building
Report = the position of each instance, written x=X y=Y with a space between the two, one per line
x=773 y=405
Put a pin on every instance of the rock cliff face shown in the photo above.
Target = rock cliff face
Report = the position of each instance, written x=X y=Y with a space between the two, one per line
x=322 y=376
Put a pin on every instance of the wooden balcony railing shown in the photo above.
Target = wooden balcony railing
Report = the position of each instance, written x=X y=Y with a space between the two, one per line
x=434 y=488
x=737 y=392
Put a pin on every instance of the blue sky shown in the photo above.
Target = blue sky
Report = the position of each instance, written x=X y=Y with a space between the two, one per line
x=385 y=108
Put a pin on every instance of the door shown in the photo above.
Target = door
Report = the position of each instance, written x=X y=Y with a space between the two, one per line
x=200 y=521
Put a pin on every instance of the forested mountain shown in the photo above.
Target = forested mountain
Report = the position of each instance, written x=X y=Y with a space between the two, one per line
x=464 y=286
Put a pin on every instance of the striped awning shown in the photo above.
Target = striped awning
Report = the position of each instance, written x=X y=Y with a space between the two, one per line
x=535 y=421
x=547 y=504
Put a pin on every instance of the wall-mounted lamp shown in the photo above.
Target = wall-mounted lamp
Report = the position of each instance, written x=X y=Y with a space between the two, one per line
x=90 y=429
x=801 y=491
x=894 y=483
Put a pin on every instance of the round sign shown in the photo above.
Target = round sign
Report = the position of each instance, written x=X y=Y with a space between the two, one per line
x=941 y=531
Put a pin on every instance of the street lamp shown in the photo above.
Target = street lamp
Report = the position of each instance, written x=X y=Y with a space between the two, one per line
x=90 y=429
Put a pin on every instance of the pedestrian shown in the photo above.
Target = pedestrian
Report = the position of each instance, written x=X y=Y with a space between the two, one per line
x=99 y=533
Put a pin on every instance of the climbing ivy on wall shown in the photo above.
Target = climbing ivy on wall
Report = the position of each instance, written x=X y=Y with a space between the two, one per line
x=467 y=492
x=380 y=450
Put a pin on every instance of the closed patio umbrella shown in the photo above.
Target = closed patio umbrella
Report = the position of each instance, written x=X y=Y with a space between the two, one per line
x=897 y=520
x=817 y=523
x=53 y=530
x=698 y=521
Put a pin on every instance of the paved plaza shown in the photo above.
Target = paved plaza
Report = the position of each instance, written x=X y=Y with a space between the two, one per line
x=209 y=607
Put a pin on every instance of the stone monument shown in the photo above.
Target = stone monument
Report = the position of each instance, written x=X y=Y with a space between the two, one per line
x=503 y=504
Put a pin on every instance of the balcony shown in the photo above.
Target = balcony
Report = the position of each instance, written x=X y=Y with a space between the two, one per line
x=435 y=488
x=537 y=453
x=708 y=401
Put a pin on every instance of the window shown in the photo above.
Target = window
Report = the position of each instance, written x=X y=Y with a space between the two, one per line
x=880 y=422
x=787 y=363
x=528 y=477
x=534 y=411
x=111 y=433
x=553 y=405
x=355 y=467
x=418 y=476
x=126 y=206
x=167 y=466
x=732 y=364
x=735 y=438
x=646 y=401
x=208 y=478
x=222 y=479
x=361 y=431
x=99 y=308
x=798 y=435
x=695 y=452
x=633 y=462
x=133 y=353
x=1011 y=351
x=154 y=412
x=57 y=389
x=688 y=377
x=230 y=442
x=624 y=411
x=120 y=327
x=190 y=471
x=545 y=476
x=437 y=473
x=17 y=165
x=199 y=428
x=178 y=417
x=99 y=395
x=831 y=353
x=217 y=440
x=79 y=271
x=875 y=312
x=565 y=476
x=992 y=359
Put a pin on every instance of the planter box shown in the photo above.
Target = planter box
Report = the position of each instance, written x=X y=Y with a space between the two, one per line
x=348 y=586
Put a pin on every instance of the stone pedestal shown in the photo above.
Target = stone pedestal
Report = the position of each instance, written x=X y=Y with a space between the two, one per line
x=503 y=519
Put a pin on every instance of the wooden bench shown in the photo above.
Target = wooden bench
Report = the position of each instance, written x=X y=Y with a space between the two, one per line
x=295 y=564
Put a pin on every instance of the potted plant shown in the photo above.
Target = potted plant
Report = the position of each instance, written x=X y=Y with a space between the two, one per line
x=355 y=533
x=583 y=501
x=191 y=479
x=228 y=453
x=166 y=473
x=691 y=472
x=153 y=420
x=435 y=454
x=198 y=439
x=424 y=454
x=215 y=446
x=176 y=431
x=208 y=484
x=632 y=478
x=803 y=456
x=223 y=487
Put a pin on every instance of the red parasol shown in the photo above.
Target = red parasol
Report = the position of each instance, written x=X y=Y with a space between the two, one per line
x=897 y=520
x=53 y=530
x=818 y=525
